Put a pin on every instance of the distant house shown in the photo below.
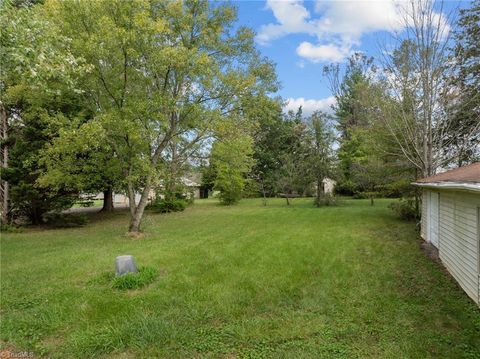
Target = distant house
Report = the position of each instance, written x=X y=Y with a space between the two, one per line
x=192 y=188
x=329 y=185
x=451 y=223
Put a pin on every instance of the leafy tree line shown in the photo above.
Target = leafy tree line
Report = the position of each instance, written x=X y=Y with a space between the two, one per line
x=122 y=96
x=412 y=112
x=397 y=118
x=106 y=95
x=287 y=155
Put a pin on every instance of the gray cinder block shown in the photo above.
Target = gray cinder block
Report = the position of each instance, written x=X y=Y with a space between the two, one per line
x=125 y=264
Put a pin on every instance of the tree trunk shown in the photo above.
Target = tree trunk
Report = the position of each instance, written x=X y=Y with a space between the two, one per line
x=4 y=190
x=288 y=202
x=108 y=200
x=319 y=190
x=136 y=218
x=131 y=199
x=263 y=193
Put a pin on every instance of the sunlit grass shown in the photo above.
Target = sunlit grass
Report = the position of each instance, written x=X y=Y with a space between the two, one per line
x=243 y=281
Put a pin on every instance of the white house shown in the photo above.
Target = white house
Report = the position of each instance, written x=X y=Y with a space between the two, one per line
x=328 y=185
x=451 y=223
x=192 y=187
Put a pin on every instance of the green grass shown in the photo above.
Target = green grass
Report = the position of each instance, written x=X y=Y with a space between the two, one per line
x=95 y=203
x=246 y=281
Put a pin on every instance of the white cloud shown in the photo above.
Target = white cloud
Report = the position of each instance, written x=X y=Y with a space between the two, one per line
x=319 y=53
x=309 y=106
x=352 y=19
x=337 y=25
x=292 y=17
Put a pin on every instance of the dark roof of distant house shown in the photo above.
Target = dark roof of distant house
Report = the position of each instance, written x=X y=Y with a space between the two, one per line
x=464 y=174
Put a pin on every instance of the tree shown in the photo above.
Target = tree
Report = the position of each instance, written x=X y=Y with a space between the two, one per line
x=80 y=161
x=163 y=72
x=462 y=126
x=271 y=136
x=418 y=119
x=39 y=86
x=295 y=176
x=321 y=158
x=232 y=159
x=4 y=185
x=350 y=113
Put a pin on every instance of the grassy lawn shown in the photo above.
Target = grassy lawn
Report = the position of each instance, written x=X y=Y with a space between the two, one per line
x=95 y=203
x=245 y=281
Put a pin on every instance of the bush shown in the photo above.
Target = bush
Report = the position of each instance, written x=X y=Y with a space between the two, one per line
x=10 y=228
x=399 y=188
x=145 y=275
x=406 y=208
x=65 y=220
x=360 y=195
x=168 y=205
x=326 y=200
x=346 y=188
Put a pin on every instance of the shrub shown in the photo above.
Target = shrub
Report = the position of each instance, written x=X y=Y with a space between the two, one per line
x=10 y=228
x=406 y=208
x=346 y=188
x=360 y=195
x=65 y=220
x=168 y=205
x=230 y=187
x=326 y=200
x=145 y=276
x=399 y=188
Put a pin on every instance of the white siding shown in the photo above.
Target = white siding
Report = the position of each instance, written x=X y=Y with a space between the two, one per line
x=425 y=198
x=459 y=238
x=434 y=218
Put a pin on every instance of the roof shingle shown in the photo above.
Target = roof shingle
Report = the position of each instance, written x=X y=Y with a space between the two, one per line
x=470 y=173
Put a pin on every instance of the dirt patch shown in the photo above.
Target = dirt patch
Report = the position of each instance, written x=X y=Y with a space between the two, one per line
x=430 y=251
x=135 y=235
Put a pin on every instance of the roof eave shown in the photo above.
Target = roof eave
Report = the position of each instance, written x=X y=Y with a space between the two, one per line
x=465 y=186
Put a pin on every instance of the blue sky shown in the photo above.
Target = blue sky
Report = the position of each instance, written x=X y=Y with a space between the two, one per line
x=303 y=36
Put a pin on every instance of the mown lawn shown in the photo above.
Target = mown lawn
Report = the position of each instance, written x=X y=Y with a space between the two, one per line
x=237 y=282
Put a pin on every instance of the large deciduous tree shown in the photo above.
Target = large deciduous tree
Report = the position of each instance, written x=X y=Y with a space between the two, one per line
x=419 y=120
x=163 y=72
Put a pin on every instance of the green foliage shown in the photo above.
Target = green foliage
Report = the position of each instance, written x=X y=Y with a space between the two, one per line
x=326 y=199
x=346 y=187
x=39 y=86
x=398 y=188
x=271 y=142
x=208 y=173
x=4 y=227
x=65 y=220
x=462 y=126
x=406 y=208
x=295 y=173
x=80 y=160
x=350 y=112
x=143 y=277
x=167 y=205
x=321 y=157
x=232 y=158
x=142 y=54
